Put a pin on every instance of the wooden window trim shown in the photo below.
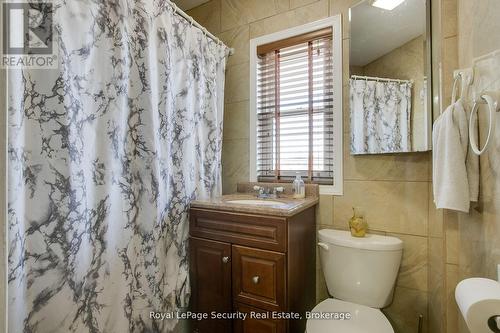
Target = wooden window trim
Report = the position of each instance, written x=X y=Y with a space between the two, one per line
x=334 y=25
x=311 y=110
x=277 y=112
x=309 y=38
x=291 y=41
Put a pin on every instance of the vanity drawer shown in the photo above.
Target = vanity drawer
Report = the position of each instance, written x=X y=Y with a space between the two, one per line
x=259 y=277
x=244 y=229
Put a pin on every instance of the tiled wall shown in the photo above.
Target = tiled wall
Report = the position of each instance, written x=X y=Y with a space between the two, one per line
x=465 y=245
x=393 y=190
x=472 y=241
x=442 y=306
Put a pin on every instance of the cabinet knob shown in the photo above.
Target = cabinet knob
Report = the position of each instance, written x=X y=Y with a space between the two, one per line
x=225 y=260
x=256 y=279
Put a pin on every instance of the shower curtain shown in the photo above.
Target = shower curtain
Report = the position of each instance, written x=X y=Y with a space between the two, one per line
x=105 y=155
x=380 y=116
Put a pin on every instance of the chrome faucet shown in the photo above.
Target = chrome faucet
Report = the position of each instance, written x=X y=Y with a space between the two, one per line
x=265 y=193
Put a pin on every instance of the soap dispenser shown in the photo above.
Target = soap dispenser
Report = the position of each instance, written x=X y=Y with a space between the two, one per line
x=299 y=188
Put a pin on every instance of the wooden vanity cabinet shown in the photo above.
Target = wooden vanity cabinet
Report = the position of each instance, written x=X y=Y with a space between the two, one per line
x=210 y=269
x=254 y=264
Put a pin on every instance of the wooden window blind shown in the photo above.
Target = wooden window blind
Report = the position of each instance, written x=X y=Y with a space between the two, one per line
x=295 y=109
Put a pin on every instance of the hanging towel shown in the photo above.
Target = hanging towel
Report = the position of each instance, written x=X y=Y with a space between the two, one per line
x=451 y=186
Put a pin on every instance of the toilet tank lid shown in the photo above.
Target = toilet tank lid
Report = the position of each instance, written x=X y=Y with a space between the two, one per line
x=370 y=242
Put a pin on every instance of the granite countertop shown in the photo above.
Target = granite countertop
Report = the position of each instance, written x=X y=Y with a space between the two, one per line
x=287 y=207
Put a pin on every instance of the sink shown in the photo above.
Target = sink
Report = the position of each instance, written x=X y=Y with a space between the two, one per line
x=256 y=202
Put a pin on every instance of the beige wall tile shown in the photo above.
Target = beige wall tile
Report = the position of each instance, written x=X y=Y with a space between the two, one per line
x=383 y=207
x=492 y=244
x=465 y=31
x=451 y=232
x=239 y=39
x=472 y=248
x=449 y=23
x=325 y=210
x=346 y=75
x=238 y=12
x=413 y=272
x=234 y=164
x=435 y=216
x=403 y=313
x=237 y=83
x=292 y=18
x=236 y=120
x=208 y=15
x=451 y=306
x=450 y=63
x=407 y=167
x=437 y=294
x=485 y=22
x=321 y=289
x=301 y=3
x=473 y=258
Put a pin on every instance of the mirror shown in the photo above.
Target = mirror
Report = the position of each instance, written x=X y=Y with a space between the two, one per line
x=390 y=77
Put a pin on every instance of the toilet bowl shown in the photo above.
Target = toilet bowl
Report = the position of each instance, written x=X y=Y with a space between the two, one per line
x=360 y=274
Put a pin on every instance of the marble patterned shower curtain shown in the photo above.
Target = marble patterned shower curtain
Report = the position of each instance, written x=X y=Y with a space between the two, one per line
x=105 y=154
x=380 y=116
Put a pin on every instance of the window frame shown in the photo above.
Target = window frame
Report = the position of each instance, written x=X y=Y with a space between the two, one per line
x=335 y=23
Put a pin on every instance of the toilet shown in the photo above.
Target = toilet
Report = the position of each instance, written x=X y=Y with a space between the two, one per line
x=360 y=274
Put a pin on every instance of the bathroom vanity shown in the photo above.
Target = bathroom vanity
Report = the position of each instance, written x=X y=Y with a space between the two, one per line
x=255 y=258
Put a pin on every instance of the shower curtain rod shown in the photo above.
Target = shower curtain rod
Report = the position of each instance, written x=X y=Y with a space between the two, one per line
x=359 y=77
x=199 y=26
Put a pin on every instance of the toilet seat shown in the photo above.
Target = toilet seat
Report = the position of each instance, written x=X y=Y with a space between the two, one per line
x=363 y=319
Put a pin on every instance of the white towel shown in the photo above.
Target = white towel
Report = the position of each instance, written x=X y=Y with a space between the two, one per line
x=451 y=186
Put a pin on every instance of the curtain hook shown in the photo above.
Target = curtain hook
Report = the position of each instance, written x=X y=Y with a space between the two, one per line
x=192 y=21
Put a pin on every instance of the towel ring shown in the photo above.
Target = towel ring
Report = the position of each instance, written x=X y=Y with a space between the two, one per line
x=493 y=107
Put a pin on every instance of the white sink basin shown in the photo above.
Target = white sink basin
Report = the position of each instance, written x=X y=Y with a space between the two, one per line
x=256 y=202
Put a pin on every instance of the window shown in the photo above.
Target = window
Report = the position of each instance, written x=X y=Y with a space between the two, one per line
x=296 y=106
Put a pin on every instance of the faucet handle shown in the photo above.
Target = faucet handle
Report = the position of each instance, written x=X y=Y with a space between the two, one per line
x=259 y=189
x=279 y=189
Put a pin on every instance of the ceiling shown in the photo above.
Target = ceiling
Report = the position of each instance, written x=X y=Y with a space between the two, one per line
x=375 y=31
x=188 y=4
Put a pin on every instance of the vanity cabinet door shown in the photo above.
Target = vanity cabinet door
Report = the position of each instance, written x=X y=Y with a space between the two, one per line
x=210 y=283
x=259 y=278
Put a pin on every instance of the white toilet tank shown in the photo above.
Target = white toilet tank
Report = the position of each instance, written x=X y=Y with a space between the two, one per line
x=360 y=270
